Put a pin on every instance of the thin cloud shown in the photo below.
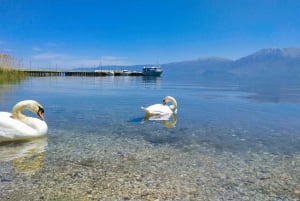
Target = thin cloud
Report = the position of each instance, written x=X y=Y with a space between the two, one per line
x=52 y=44
x=61 y=60
x=36 y=49
x=7 y=50
x=114 y=60
x=47 y=56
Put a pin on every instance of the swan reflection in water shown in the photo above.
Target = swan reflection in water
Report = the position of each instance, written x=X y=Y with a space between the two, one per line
x=27 y=157
x=168 y=120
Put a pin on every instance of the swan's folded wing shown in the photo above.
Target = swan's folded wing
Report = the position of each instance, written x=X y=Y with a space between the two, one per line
x=5 y=127
x=157 y=109
x=11 y=129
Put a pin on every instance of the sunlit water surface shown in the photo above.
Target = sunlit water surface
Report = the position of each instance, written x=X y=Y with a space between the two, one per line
x=227 y=142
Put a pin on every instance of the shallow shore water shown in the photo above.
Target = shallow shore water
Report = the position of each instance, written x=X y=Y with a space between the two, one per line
x=234 y=148
x=118 y=168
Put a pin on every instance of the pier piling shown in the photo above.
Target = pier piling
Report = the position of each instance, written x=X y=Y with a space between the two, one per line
x=57 y=73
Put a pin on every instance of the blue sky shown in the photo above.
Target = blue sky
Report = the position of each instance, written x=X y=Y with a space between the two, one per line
x=83 y=33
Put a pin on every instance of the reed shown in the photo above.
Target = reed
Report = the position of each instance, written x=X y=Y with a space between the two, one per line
x=8 y=72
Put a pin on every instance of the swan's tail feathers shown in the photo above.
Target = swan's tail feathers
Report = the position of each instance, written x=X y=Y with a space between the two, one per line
x=147 y=112
x=143 y=108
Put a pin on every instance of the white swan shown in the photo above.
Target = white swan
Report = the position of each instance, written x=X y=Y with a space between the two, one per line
x=17 y=126
x=162 y=109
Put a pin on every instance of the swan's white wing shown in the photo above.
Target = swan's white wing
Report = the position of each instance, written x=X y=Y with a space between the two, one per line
x=12 y=129
x=5 y=125
x=157 y=109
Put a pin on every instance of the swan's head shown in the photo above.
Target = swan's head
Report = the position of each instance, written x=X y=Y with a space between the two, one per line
x=30 y=105
x=170 y=99
x=40 y=112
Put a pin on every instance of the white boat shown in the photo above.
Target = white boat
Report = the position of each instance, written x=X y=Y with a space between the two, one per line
x=125 y=72
x=152 y=71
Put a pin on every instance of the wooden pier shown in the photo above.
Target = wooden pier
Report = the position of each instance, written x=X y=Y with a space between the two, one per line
x=96 y=73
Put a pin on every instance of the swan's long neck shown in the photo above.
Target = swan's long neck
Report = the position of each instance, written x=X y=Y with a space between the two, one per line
x=38 y=125
x=17 y=111
x=173 y=102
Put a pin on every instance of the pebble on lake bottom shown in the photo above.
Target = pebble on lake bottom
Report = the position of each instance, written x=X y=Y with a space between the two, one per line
x=133 y=169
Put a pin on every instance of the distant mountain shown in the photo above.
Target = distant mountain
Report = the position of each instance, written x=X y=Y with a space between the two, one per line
x=273 y=54
x=269 y=62
x=263 y=63
x=205 y=63
x=200 y=66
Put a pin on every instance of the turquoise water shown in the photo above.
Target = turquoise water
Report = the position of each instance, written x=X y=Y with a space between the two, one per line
x=229 y=141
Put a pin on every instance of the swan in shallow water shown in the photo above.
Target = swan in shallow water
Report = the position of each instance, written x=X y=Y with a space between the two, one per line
x=18 y=126
x=162 y=109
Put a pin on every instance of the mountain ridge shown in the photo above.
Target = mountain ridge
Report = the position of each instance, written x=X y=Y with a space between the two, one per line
x=266 y=62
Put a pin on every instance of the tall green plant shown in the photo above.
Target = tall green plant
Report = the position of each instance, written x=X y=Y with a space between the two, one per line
x=8 y=72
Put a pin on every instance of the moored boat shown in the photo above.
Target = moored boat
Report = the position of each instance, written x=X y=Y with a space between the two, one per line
x=152 y=71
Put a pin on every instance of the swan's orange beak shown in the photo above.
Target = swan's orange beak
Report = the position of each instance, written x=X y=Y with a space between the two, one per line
x=40 y=113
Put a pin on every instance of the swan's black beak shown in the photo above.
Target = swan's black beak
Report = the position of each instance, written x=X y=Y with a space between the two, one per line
x=40 y=113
